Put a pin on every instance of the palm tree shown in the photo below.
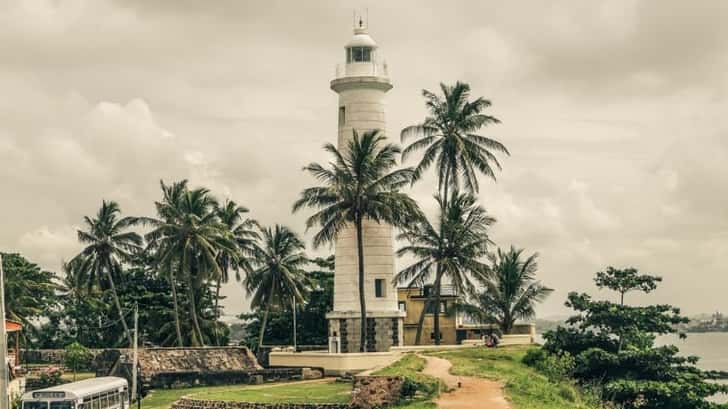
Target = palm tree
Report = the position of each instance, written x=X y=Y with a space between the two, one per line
x=242 y=230
x=108 y=245
x=511 y=293
x=188 y=237
x=359 y=184
x=448 y=137
x=453 y=251
x=278 y=275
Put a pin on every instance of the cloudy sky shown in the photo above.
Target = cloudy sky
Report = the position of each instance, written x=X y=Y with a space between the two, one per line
x=615 y=114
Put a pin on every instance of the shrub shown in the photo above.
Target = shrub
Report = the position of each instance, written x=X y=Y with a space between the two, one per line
x=50 y=377
x=557 y=367
x=409 y=388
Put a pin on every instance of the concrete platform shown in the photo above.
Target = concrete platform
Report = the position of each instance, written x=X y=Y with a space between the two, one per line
x=334 y=364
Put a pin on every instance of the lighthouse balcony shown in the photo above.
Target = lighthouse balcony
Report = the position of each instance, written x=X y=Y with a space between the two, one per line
x=362 y=69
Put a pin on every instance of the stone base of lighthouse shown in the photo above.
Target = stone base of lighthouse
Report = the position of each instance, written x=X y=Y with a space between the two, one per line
x=385 y=329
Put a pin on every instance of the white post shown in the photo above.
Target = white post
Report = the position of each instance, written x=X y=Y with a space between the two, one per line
x=135 y=355
x=4 y=378
x=294 y=324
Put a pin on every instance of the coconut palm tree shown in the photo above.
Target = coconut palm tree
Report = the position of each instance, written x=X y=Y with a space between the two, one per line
x=167 y=210
x=188 y=237
x=511 y=293
x=278 y=275
x=449 y=138
x=109 y=244
x=452 y=251
x=245 y=235
x=359 y=184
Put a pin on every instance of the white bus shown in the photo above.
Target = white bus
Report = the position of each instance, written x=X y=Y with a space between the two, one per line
x=95 y=393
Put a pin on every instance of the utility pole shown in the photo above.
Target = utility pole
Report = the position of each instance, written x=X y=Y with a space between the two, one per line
x=294 y=324
x=4 y=378
x=135 y=356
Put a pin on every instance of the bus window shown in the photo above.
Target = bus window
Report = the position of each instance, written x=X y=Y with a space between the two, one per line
x=35 y=405
x=62 y=404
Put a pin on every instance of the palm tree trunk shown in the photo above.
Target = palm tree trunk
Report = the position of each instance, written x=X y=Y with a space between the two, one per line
x=421 y=321
x=217 y=308
x=443 y=212
x=362 y=300
x=428 y=302
x=118 y=306
x=262 y=326
x=193 y=312
x=437 y=309
x=176 y=310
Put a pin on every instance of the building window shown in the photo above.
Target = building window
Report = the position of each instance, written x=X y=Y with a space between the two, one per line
x=432 y=335
x=342 y=116
x=402 y=306
x=379 y=288
x=358 y=54
x=431 y=308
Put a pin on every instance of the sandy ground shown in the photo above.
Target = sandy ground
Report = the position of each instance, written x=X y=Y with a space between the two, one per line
x=473 y=393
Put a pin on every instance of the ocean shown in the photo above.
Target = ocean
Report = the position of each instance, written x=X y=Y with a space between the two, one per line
x=711 y=347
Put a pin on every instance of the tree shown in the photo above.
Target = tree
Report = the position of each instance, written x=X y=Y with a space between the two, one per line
x=244 y=234
x=624 y=281
x=187 y=240
x=613 y=345
x=360 y=184
x=510 y=293
x=452 y=251
x=311 y=325
x=278 y=276
x=109 y=244
x=449 y=137
x=29 y=290
x=77 y=356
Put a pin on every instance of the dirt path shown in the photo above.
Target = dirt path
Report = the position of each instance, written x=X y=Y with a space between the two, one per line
x=473 y=393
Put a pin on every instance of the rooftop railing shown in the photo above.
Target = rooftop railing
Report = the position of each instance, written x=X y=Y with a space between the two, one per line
x=362 y=69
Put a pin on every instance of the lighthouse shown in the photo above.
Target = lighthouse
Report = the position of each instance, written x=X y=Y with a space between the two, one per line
x=362 y=83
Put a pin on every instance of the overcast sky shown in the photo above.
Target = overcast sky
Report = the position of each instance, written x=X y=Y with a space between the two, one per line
x=616 y=115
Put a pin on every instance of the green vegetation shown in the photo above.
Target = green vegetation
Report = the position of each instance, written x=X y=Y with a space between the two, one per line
x=77 y=357
x=297 y=392
x=278 y=278
x=360 y=183
x=410 y=367
x=613 y=345
x=449 y=138
x=525 y=387
x=453 y=252
x=510 y=292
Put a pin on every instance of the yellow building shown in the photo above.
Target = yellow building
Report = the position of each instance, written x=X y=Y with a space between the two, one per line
x=412 y=301
x=454 y=329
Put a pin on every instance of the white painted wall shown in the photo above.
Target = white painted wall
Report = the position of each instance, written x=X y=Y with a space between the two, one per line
x=361 y=92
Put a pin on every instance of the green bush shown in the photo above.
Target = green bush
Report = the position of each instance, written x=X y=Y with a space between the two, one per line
x=557 y=366
x=409 y=388
x=50 y=377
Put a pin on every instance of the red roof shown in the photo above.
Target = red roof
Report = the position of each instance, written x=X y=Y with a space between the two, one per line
x=12 y=326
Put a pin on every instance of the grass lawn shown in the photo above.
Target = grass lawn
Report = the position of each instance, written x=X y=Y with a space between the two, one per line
x=525 y=387
x=294 y=392
x=68 y=376
x=411 y=366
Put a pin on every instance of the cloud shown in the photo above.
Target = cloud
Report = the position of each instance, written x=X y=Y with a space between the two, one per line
x=614 y=114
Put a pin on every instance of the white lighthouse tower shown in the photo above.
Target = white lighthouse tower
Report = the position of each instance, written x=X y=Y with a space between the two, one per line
x=362 y=84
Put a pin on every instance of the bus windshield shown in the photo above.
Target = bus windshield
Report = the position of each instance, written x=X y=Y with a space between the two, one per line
x=62 y=404
x=35 y=405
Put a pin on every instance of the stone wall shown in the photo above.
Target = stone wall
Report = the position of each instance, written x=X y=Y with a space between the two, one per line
x=376 y=391
x=382 y=333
